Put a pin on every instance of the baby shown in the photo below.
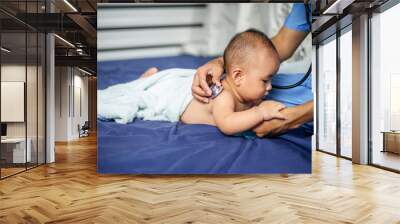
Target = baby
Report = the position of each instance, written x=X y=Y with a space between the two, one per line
x=250 y=63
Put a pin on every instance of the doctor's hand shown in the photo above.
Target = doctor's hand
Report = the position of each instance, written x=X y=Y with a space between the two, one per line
x=275 y=127
x=295 y=117
x=272 y=110
x=200 y=89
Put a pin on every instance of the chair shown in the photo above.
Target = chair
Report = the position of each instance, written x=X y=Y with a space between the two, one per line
x=84 y=130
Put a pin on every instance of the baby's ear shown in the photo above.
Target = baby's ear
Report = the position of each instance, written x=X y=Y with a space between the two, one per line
x=237 y=76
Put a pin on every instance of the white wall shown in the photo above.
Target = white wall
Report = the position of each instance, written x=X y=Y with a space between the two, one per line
x=14 y=73
x=146 y=30
x=12 y=100
x=69 y=81
x=79 y=117
x=61 y=103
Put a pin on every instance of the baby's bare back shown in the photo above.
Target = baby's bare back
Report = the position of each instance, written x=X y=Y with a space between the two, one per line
x=198 y=113
x=202 y=113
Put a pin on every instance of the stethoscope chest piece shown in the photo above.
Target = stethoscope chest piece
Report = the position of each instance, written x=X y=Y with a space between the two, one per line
x=215 y=90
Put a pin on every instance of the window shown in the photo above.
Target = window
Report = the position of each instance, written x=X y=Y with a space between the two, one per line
x=327 y=96
x=22 y=76
x=346 y=93
x=15 y=146
x=385 y=89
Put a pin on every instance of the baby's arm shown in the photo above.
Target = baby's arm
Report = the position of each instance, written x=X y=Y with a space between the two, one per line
x=231 y=122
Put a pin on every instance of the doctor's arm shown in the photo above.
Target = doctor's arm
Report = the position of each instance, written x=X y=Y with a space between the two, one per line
x=286 y=42
x=295 y=117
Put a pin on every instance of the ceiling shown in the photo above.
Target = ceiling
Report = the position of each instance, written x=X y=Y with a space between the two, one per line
x=74 y=22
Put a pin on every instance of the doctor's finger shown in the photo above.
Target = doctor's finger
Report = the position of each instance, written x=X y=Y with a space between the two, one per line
x=204 y=86
x=198 y=91
x=201 y=99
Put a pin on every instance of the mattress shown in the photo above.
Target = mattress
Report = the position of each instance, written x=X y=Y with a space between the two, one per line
x=154 y=147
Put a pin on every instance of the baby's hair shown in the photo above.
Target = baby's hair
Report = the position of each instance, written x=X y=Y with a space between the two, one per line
x=242 y=44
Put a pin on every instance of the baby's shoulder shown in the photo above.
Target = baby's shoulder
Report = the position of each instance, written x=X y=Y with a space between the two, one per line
x=224 y=98
x=225 y=95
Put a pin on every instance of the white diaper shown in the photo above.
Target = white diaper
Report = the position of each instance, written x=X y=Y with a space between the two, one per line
x=163 y=96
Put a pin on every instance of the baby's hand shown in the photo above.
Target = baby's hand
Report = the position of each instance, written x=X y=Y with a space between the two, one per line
x=271 y=109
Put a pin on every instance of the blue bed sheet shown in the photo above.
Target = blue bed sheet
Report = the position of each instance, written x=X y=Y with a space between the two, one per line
x=154 y=147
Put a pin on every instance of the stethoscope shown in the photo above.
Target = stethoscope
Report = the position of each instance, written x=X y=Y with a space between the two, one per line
x=294 y=85
x=302 y=80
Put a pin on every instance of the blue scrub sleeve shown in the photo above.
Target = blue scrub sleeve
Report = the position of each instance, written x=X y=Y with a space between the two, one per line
x=298 y=18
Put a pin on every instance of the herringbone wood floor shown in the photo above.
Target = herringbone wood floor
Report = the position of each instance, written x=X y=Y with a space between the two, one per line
x=70 y=191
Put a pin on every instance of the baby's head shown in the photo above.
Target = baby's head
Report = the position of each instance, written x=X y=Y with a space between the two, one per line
x=250 y=62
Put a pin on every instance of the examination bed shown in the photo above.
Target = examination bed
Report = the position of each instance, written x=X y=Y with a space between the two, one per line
x=154 y=147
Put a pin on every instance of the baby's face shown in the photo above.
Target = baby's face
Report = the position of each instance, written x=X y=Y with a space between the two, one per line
x=258 y=74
